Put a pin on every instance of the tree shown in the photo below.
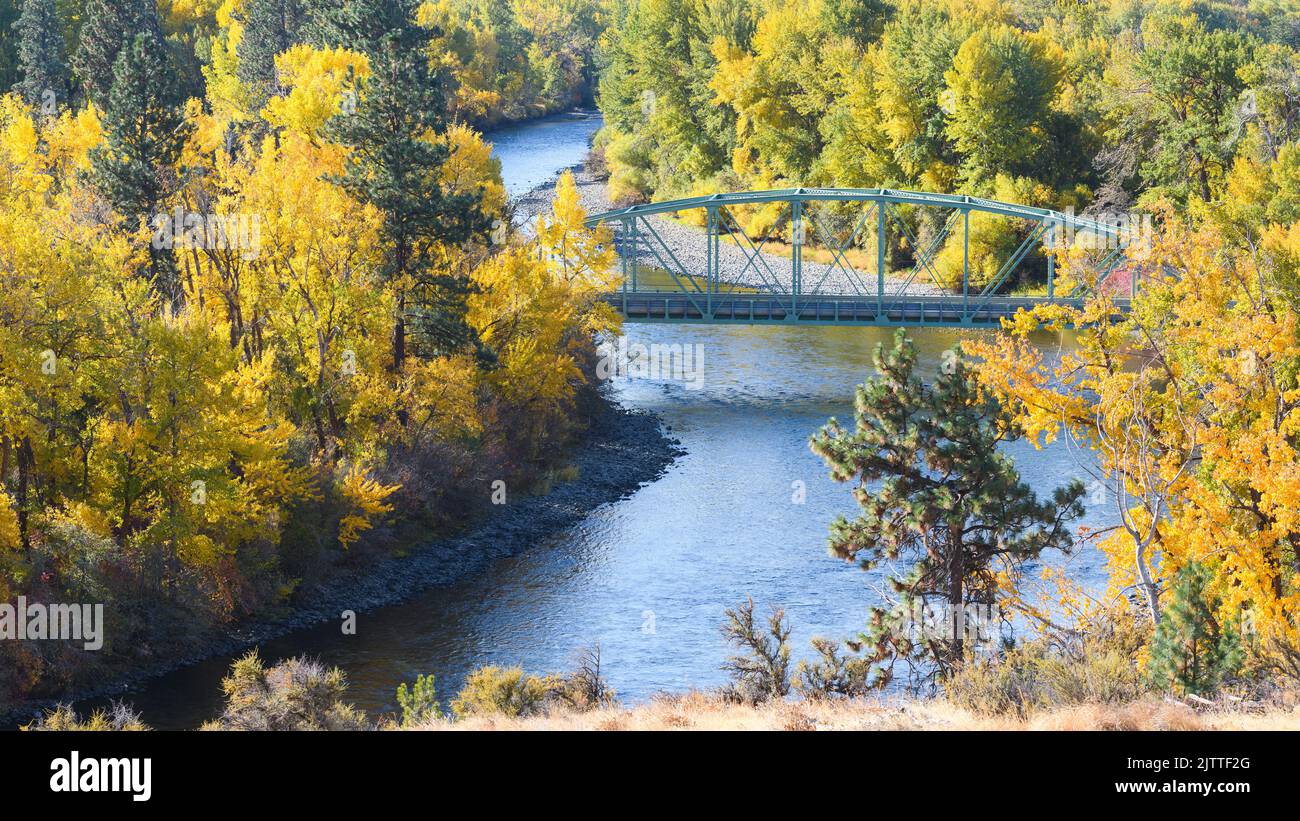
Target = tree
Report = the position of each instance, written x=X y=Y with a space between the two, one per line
x=40 y=53
x=1174 y=106
x=935 y=491
x=1190 y=402
x=396 y=161
x=267 y=32
x=998 y=101
x=145 y=132
x=1192 y=653
x=780 y=91
x=109 y=27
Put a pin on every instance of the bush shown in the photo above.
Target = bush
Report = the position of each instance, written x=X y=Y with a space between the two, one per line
x=832 y=675
x=297 y=694
x=505 y=691
x=762 y=671
x=1037 y=676
x=585 y=688
x=420 y=703
x=117 y=718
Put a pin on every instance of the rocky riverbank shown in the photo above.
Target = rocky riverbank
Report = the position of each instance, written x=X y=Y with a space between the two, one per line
x=736 y=263
x=621 y=451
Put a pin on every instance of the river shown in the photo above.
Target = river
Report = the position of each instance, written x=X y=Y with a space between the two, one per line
x=648 y=577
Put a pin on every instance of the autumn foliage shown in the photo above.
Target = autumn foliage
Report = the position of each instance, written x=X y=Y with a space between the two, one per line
x=202 y=455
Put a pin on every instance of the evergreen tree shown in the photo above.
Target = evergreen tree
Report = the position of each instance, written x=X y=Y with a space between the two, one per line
x=40 y=53
x=1191 y=653
x=10 y=67
x=395 y=166
x=108 y=26
x=268 y=31
x=935 y=491
x=144 y=132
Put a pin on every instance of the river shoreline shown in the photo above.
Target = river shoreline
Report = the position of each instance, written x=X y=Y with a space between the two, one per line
x=621 y=451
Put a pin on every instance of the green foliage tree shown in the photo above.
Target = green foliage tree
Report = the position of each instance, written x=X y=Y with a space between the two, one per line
x=40 y=54
x=1174 y=106
x=658 y=85
x=145 y=131
x=999 y=99
x=935 y=491
x=109 y=26
x=394 y=164
x=10 y=67
x=1192 y=653
x=268 y=30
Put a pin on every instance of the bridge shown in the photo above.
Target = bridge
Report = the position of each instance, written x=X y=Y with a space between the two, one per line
x=666 y=277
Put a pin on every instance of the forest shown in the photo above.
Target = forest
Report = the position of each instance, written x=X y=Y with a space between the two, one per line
x=258 y=292
x=262 y=316
x=1094 y=107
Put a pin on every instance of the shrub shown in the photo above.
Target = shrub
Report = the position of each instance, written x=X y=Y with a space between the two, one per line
x=585 y=688
x=119 y=717
x=832 y=675
x=1036 y=675
x=505 y=691
x=297 y=694
x=420 y=703
x=762 y=670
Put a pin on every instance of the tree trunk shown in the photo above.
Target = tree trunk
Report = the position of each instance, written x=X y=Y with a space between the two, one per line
x=956 y=605
x=1148 y=586
x=399 y=333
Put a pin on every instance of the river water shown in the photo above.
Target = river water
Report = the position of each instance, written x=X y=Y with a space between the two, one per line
x=648 y=577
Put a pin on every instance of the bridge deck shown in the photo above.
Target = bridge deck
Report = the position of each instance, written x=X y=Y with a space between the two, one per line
x=757 y=309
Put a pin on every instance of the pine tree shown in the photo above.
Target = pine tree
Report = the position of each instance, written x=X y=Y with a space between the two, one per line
x=144 y=132
x=935 y=492
x=268 y=31
x=395 y=166
x=1191 y=652
x=108 y=26
x=40 y=54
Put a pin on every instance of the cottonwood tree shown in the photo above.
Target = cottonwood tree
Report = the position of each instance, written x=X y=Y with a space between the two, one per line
x=939 y=498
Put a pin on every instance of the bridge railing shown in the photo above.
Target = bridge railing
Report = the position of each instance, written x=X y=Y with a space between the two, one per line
x=770 y=278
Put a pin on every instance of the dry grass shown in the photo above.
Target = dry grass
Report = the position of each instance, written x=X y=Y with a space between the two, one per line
x=702 y=711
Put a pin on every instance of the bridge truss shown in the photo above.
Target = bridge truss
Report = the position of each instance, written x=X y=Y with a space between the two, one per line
x=759 y=288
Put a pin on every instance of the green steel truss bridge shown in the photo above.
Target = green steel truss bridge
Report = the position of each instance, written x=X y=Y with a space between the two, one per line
x=731 y=279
